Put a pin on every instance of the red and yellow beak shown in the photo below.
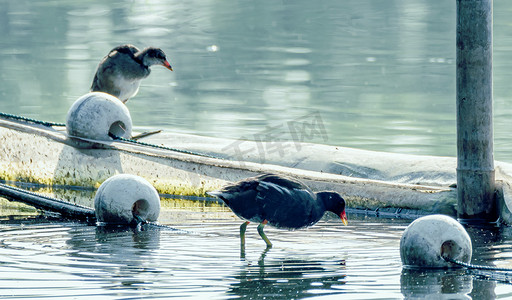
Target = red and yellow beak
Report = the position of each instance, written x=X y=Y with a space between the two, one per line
x=343 y=217
x=167 y=65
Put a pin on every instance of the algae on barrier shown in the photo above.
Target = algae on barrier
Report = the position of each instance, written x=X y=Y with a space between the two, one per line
x=184 y=188
x=28 y=176
x=363 y=202
x=445 y=204
x=164 y=186
x=193 y=205
x=12 y=208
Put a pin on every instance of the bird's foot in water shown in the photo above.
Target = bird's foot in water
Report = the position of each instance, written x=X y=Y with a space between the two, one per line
x=263 y=235
x=243 y=227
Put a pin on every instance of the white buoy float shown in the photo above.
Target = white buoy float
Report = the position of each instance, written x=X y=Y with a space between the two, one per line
x=122 y=197
x=96 y=115
x=428 y=240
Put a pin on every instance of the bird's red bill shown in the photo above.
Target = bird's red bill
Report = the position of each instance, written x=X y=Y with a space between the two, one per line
x=343 y=217
x=167 y=65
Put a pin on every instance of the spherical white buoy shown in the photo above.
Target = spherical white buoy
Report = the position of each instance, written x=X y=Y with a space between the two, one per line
x=122 y=196
x=95 y=115
x=427 y=240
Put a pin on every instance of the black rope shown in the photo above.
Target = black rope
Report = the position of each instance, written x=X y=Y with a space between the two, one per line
x=115 y=137
x=47 y=203
x=477 y=267
x=30 y=120
x=141 y=223
x=485 y=272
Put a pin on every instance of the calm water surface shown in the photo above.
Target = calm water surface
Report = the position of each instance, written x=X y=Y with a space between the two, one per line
x=50 y=259
x=380 y=72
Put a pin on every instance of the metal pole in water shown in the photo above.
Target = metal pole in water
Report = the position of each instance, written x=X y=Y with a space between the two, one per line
x=475 y=163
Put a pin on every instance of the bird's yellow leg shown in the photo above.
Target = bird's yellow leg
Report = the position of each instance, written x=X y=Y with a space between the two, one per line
x=243 y=227
x=262 y=234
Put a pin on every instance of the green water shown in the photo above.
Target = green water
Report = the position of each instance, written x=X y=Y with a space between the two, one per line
x=380 y=73
x=42 y=258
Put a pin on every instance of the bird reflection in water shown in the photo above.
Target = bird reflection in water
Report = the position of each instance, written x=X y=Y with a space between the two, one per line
x=296 y=278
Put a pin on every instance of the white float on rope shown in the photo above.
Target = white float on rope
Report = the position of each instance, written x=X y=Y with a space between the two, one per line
x=96 y=115
x=428 y=240
x=122 y=197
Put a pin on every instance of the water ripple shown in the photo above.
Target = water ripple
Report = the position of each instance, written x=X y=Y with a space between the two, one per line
x=358 y=261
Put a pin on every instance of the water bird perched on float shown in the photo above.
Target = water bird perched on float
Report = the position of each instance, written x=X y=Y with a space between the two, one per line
x=280 y=202
x=120 y=72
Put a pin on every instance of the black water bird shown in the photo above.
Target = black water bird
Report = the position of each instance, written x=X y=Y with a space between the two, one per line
x=280 y=202
x=120 y=72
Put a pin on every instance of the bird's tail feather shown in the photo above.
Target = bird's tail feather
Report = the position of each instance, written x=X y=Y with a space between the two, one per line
x=217 y=194
x=221 y=195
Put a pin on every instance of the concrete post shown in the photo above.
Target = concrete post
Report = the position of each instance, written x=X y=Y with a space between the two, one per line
x=475 y=165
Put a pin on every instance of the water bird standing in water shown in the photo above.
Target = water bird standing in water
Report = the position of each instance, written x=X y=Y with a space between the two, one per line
x=120 y=72
x=279 y=201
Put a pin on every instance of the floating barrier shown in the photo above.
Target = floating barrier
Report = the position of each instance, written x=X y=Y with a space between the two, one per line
x=48 y=155
x=126 y=199
x=98 y=116
x=179 y=164
x=431 y=241
x=123 y=199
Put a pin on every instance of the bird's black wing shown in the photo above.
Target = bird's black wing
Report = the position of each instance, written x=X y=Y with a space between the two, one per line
x=283 y=206
x=282 y=181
